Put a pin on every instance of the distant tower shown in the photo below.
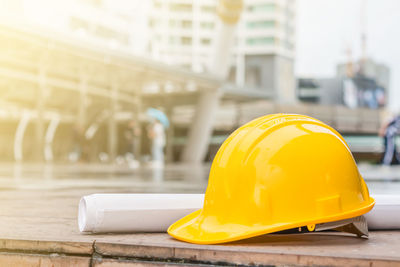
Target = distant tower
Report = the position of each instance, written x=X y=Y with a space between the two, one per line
x=363 y=26
x=349 y=63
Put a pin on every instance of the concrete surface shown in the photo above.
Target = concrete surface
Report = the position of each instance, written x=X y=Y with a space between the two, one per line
x=38 y=226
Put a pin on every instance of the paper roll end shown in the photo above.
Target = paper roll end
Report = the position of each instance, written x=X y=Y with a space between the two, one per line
x=86 y=215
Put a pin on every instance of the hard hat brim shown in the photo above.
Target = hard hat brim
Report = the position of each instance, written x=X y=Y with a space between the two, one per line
x=190 y=228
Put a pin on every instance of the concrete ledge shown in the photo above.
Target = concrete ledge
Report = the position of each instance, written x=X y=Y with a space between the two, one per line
x=34 y=260
x=298 y=250
x=330 y=249
x=39 y=246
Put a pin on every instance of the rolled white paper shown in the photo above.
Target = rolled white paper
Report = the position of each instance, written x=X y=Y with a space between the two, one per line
x=386 y=213
x=112 y=213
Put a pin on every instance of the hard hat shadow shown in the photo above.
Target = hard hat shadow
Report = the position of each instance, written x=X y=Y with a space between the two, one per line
x=328 y=238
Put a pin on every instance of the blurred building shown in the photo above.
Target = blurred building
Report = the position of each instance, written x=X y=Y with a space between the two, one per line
x=182 y=32
x=308 y=90
x=380 y=73
x=367 y=88
x=117 y=24
x=69 y=81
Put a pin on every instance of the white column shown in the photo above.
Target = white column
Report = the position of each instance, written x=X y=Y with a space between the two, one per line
x=112 y=124
x=240 y=69
x=49 y=137
x=201 y=129
x=19 y=136
x=203 y=122
x=83 y=100
x=40 y=105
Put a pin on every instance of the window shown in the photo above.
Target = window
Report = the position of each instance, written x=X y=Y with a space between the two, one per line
x=186 y=24
x=261 y=8
x=260 y=41
x=186 y=40
x=261 y=24
x=205 y=41
x=181 y=7
x=208 y=9
x=154 y=22
x=207 y=25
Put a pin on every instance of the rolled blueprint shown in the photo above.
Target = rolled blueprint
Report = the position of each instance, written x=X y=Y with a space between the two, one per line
x=112 y=213
x=386 y=213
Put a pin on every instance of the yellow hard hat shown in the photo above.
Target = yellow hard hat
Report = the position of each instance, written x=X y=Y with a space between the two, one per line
x=275 y=173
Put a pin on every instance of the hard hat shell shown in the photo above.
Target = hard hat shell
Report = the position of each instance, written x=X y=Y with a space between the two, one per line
x=276 y=172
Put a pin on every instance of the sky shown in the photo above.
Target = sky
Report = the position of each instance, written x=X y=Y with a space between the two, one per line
x=326 y=28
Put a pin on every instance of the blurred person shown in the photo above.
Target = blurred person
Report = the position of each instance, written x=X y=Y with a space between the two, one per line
x=157 y=136
x=389 y=131
x=145 y=142
x=132 y=136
